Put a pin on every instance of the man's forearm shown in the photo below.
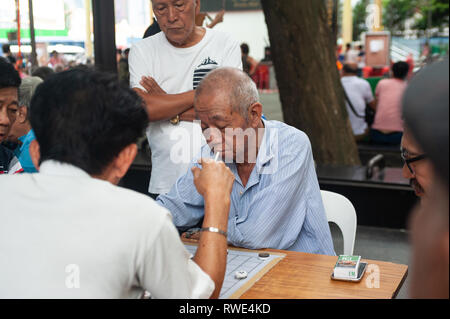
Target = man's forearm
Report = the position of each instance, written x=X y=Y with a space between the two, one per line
x=166 y=106
x=211 y=253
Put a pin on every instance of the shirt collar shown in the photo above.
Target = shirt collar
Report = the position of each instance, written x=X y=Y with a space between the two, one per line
x=191 y=48
x=266 y=149
x=23 y=138
x=51 y=167
x=27 y=137
x=348 y=77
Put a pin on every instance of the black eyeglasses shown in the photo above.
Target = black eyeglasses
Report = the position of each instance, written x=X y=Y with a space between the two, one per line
x=408 y=161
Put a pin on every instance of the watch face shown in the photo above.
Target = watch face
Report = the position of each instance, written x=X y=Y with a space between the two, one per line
x=175 y=120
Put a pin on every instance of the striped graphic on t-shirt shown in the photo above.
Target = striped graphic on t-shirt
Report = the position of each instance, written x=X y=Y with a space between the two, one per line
x=203 y=69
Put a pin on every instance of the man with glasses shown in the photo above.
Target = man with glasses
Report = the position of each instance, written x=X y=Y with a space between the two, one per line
x=417 y=168
x=425 y=110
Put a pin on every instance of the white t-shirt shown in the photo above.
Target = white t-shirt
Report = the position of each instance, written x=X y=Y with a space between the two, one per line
x=360 y=94
x=362 y=60
x=178 y=71
x=351 y=56
x=64 y=234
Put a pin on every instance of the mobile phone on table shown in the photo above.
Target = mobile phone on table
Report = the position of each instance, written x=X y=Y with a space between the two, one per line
x=361 y=272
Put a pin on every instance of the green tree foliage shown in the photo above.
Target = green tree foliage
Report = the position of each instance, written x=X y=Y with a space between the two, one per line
x=439 y=14
x=396 y=12
x=359 y=19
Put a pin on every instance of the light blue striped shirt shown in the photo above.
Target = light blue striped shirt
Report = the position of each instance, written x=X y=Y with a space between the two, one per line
x=281 y=205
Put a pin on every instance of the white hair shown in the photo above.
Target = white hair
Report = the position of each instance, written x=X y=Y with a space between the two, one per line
x=27 y=89
x=239 y=87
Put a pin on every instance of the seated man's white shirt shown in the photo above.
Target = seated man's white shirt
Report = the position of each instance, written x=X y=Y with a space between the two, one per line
x=178 y=70
x=360 y=94
x=64 y=234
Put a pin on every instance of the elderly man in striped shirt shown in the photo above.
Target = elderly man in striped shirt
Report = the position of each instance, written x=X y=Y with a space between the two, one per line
x=276 y=201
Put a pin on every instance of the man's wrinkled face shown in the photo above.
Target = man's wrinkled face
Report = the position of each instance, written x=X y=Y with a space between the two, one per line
x=9 y=106
x=176 y=19
x=222 y=127
x=17 y=128
x=421 y=175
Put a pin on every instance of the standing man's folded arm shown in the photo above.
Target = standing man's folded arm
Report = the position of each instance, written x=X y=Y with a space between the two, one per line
x=161 y=107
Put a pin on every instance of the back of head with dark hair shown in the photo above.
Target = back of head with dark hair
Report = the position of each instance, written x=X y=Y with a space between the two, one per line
x=245 y=48
x=86 y=118
x=400 y=70
x=43 y=72
x=6 y=48
x=350 y=68
x=9 y=77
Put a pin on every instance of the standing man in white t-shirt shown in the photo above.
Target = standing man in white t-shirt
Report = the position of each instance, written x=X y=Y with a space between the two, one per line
x=360 y=94
x=165 y=69
x=351 y=55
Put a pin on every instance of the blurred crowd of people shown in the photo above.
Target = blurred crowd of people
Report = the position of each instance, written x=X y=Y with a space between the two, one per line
x=374 y=112
x=55 y=62
x=259 y=71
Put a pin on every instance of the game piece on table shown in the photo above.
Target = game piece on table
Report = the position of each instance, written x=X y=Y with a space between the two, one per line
x=241 y=260
x=263 y=256
x=241 y=274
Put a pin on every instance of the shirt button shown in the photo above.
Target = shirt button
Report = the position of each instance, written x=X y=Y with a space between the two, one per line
x=242 y=193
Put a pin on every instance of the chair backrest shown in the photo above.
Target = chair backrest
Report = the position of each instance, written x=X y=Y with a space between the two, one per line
x=340 y=211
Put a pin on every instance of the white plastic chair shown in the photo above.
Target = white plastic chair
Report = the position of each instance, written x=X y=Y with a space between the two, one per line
x=340 y=211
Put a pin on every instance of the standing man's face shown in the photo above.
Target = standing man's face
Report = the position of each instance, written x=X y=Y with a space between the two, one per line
x=9 y=105
x=176 y=19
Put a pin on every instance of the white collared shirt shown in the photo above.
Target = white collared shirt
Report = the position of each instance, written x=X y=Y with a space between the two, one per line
x=64 y=234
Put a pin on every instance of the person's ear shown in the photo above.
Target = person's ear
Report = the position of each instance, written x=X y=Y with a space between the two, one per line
x=124 y=160
x=197 y=7
x=35 y=153
x=23 y=114
x=255 y=114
